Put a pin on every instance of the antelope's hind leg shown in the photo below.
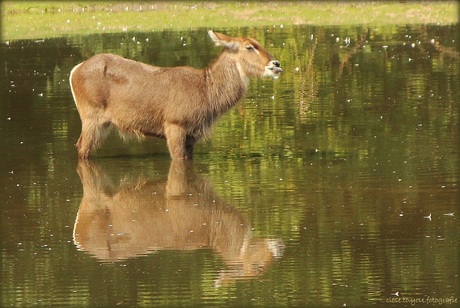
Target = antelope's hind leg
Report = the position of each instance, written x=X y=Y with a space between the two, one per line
x=93 y=132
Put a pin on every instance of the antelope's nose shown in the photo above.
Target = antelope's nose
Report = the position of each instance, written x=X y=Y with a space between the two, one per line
x=276 y=67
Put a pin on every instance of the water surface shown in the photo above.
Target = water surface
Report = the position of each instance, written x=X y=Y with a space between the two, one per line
x=336 y=184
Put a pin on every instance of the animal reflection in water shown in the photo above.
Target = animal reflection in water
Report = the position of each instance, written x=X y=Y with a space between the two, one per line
x=117 y=222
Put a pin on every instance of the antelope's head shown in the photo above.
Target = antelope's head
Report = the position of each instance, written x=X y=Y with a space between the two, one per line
x=252 y=59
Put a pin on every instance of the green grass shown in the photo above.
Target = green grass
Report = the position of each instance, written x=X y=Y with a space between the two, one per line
x=43 y=19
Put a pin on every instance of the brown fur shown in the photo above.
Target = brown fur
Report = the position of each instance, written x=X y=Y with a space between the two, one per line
x=178 y=103
x=120 y=221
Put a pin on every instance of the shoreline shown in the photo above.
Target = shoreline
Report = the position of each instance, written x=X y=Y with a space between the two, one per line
x=48 y=19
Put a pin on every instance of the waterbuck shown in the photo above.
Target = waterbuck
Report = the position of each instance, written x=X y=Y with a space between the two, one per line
x=176 y=103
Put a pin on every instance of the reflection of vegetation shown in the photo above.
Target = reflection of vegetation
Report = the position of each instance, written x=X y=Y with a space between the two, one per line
x=342 y=158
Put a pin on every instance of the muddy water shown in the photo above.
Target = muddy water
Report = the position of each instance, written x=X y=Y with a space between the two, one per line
x=336 y=184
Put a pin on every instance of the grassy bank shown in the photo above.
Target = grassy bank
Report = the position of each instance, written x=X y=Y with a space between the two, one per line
x=42 y=19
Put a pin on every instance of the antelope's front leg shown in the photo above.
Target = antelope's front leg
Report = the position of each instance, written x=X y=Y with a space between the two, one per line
x=176 y=139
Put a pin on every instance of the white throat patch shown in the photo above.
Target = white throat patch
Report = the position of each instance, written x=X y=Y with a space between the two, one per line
x=243 y=76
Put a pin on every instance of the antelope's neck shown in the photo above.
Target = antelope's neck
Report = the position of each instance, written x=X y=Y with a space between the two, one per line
x=226 y=83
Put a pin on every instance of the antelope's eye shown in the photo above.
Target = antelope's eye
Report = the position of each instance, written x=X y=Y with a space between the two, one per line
x=250 y=47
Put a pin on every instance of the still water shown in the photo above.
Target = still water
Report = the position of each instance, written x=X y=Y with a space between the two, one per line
x=335 y=185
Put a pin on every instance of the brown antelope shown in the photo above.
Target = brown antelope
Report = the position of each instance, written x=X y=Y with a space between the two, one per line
x=133 y=218
x=176 y=103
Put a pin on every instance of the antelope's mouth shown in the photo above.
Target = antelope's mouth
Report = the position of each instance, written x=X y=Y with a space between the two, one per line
x=276 y=70
x=273 y=69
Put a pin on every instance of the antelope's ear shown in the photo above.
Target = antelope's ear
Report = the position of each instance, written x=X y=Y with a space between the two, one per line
x=223 y=40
